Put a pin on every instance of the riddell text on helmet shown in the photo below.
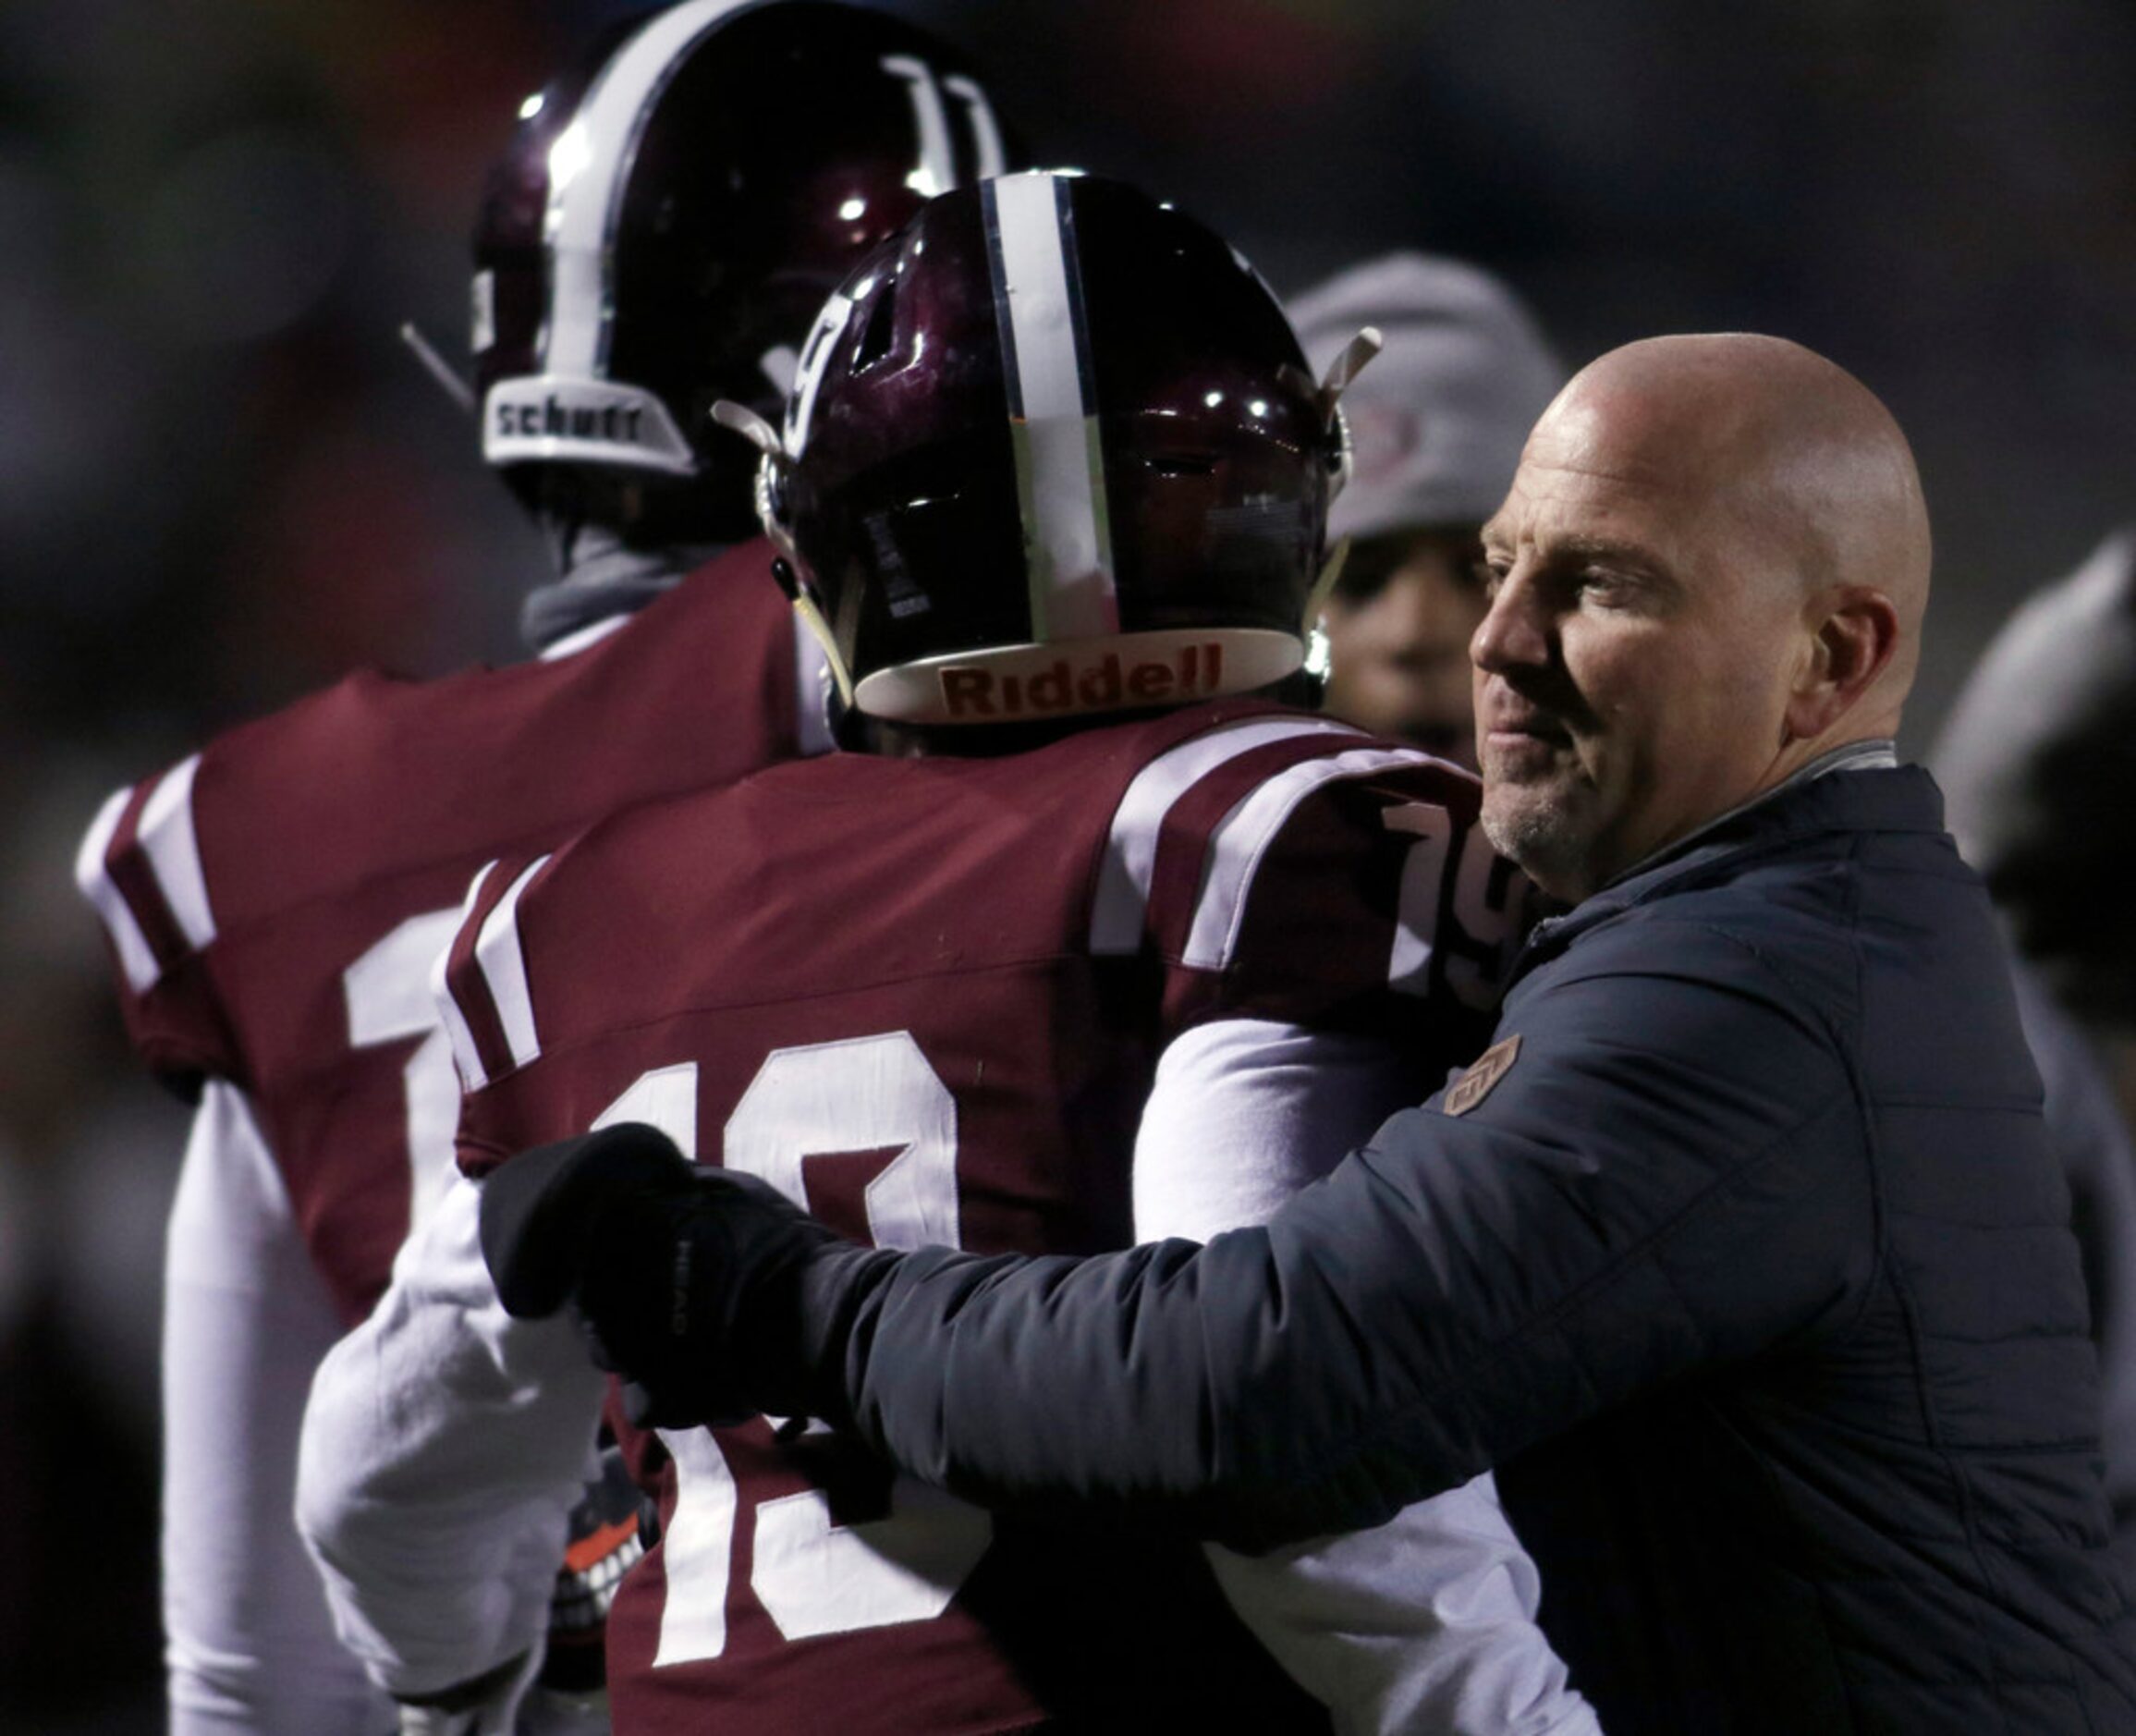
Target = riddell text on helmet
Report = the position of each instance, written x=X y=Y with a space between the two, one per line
x=1197 y=672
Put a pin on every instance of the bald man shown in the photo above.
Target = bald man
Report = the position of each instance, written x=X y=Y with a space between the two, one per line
x=1709 y=576
x=1740 y=1253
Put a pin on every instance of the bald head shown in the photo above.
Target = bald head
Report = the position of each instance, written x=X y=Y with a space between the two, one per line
x=1711 y=569
x=1813 y=470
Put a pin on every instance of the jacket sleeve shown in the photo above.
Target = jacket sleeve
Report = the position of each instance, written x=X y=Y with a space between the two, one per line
x=1671 y=1174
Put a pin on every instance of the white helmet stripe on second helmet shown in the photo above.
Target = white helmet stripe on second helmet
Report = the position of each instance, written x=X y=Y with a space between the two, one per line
x=1060 y=466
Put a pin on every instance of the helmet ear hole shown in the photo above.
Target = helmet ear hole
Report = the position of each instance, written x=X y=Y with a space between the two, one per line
x=1342 y=455
x=876 y=336
x=772 y=509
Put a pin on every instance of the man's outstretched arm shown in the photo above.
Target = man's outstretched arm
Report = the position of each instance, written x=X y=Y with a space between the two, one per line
x=1670 y=1176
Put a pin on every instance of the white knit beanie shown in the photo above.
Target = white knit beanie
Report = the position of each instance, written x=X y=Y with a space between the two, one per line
x=1440 y=416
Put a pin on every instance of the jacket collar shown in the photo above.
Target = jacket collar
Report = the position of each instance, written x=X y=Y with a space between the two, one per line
x=1853 y=799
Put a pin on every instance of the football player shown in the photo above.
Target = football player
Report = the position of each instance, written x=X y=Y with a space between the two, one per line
x=1053 y=483
x=658 y=235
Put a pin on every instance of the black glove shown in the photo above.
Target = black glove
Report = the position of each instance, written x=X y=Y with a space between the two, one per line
x=685 y=1279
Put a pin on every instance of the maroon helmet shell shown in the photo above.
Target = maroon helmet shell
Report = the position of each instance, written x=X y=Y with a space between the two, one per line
x=671 y=213
x=1055 y=450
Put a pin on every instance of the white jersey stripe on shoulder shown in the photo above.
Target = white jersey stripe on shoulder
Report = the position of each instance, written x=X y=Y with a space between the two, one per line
x=1243 y=836
x=504 y=964
x=466 y=1057
x=173 y=849
x=135 y=956
x=1060 y=459
x=593 y=155
x=1119 y=909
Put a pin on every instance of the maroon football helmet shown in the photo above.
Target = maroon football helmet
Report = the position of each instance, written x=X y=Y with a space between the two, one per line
x=670 y=215
x=1054 y=451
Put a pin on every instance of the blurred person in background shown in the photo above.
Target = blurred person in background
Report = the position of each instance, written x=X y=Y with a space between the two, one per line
x=655 y=237
x=1437 y=422
x=2039 y=755
x=2038 y=759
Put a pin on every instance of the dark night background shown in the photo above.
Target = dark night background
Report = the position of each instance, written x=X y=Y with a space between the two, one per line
x=222 y=481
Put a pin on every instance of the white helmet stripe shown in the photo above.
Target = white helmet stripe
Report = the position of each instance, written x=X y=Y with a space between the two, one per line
x=589 y=161
x=1060 y=467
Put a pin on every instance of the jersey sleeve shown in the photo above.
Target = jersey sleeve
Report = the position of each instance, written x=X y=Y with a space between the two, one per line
x=139 y=867
x=1351 y=891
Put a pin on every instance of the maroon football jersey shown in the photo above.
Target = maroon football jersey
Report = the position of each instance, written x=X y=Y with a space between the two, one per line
x=926 y=998
x=275 y=902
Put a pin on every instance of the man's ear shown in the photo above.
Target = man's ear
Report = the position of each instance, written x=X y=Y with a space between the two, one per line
x=1853 y=634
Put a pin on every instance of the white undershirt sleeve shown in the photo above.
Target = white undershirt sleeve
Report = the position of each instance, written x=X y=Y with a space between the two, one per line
x=443 y=1449
x=249 y=1646
x=1244 y=1112
x=1426 y=1623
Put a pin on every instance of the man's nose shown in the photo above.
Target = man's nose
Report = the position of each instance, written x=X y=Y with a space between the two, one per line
x=1512 y=632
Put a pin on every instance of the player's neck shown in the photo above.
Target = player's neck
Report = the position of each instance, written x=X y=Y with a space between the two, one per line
x=916 y=741
x=968 y=741
x=599 y=574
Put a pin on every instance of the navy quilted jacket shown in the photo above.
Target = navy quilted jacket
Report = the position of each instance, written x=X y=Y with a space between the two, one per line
x=1751 y=1273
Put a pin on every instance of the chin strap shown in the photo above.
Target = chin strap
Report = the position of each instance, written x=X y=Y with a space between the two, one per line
x=1352 y=362
x=742 y=420
x=1312 y=626
x=813 y=619
x=1356 y=356
x=438 y=368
